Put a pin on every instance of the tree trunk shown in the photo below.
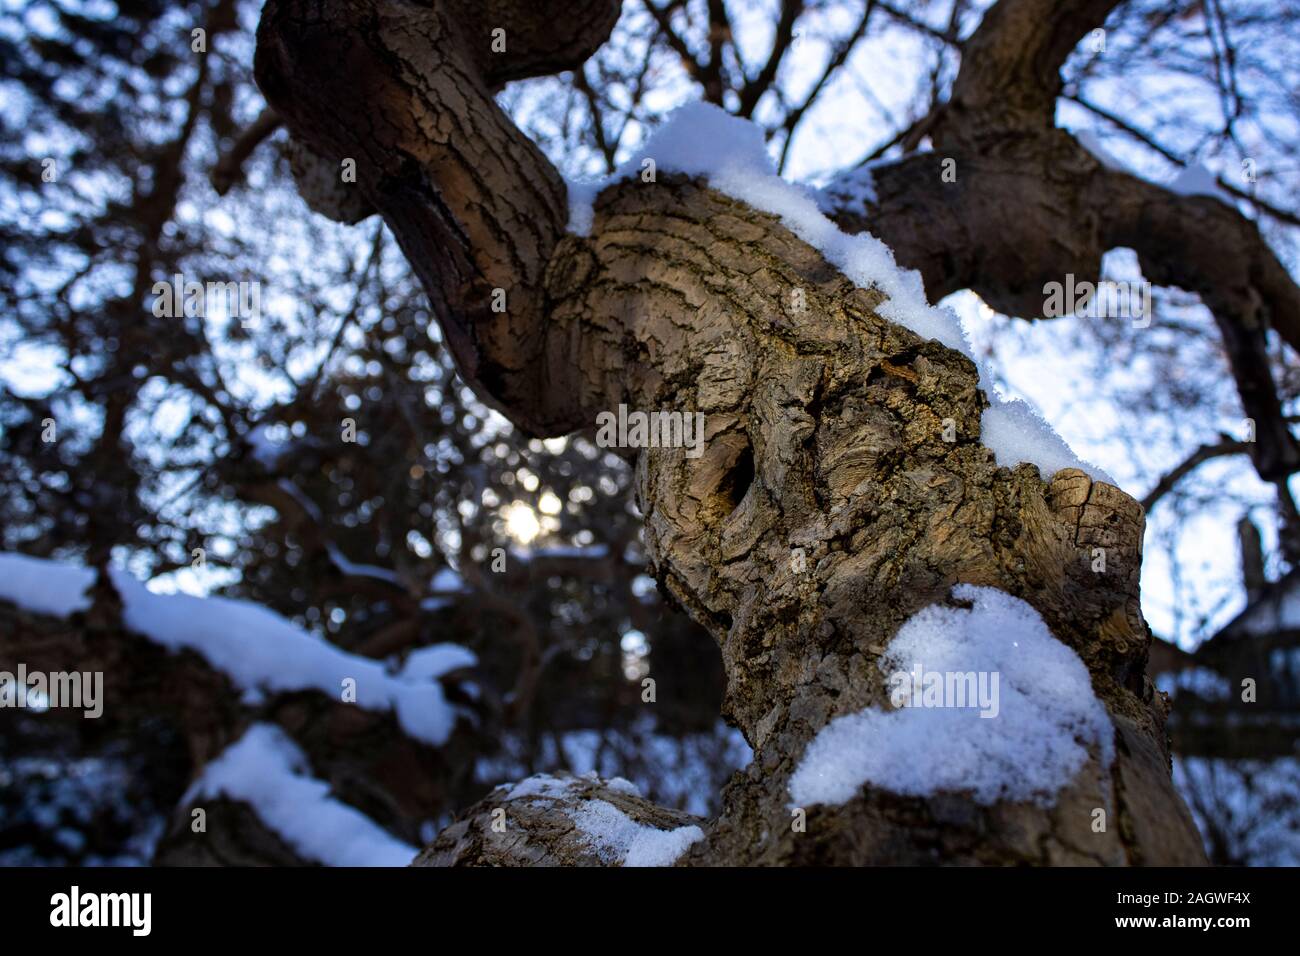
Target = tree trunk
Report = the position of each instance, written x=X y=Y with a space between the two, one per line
x=827 y=507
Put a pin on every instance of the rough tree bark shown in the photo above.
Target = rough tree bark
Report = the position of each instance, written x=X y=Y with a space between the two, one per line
x=1031 y=204
x=824 y=436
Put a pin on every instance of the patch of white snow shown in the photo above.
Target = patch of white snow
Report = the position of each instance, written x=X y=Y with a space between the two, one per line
x=1047 y=716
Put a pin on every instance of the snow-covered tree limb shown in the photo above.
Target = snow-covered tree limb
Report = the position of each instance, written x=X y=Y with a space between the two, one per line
x=854 y=467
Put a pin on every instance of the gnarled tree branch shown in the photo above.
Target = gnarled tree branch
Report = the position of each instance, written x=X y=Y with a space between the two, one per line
x=1029 y=204
x=825 y=434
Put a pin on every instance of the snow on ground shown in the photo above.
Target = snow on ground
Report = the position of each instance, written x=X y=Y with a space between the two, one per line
x=266 y=770
x=689 y=143
x=259 y=650
x=1047 y=716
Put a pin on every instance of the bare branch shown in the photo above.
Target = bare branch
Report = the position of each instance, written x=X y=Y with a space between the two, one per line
x=754 y=89
x=1277 y=212
x=477 y=214
x=839 y=55
x=229 y=168
x=695 y=69
x=1220 y=449
x=1010 y=70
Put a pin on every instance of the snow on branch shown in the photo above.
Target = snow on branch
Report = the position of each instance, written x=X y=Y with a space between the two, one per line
x=565 y=820
x=702 y=140
x=1023 y=728
x=256 y=648
x=267 y=771
x=619 y=840
x=730 y=154
x=602 y=828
